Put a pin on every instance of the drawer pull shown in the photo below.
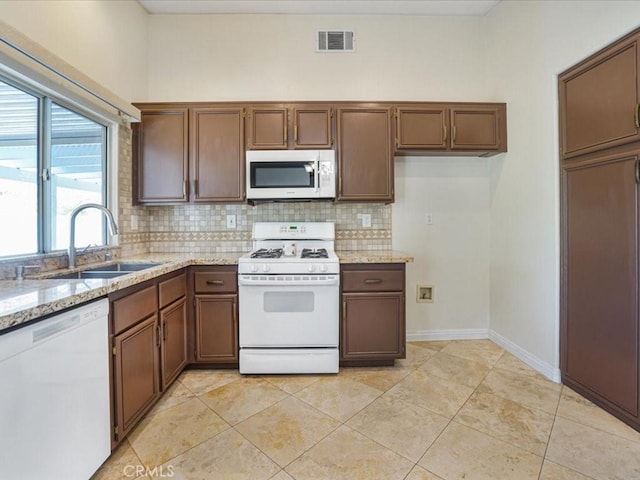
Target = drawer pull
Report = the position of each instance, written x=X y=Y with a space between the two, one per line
x=373 y=280
x=215 y=282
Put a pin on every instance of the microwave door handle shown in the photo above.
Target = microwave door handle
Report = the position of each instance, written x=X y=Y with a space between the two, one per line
x=317 y=175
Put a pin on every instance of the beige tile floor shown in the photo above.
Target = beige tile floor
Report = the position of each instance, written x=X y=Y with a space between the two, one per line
x=451 y=410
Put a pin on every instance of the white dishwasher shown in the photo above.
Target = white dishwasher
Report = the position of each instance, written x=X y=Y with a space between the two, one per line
x=54 y=396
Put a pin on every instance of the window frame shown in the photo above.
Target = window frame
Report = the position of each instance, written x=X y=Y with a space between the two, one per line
x=45 y=212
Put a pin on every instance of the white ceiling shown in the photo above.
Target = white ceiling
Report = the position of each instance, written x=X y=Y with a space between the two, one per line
x=322 y=7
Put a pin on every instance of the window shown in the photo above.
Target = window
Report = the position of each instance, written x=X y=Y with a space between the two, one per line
x=52 y=159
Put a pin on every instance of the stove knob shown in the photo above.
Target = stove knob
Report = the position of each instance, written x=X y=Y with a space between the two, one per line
x=253 y=268
x=311 y=267
x=323 y=268
x=266 y=268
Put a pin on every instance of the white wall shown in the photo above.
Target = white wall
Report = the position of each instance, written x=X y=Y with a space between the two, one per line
x=528 y=44
x=106 y=40
x=452 y=254
x=272 y=57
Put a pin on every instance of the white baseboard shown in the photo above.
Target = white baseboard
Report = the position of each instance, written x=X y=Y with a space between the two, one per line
x=549 y=371
x=457 y=334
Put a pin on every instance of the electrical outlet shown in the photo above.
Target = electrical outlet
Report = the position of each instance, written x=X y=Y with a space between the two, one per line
x=428 y=218
x=231 y=221
x=134 y=222
x=366 y=220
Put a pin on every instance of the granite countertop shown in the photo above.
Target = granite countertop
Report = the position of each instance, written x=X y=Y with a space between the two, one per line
x=373 y=256
x=37 y=296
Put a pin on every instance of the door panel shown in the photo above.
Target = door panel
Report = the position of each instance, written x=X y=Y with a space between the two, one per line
x=372 y=326
x=475 y=128
x=599 y=100
x=136 y=372
x=174 y=340
x=365 y=154
x=422 y=128
x=216 y=328
x=217 y=154
x=162 y=162
x=601 y=268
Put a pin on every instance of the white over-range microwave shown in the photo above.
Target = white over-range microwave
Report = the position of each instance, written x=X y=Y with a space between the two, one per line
x=291 y=174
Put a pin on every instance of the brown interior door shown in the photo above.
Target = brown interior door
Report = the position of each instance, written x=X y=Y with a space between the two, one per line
x=600 y=345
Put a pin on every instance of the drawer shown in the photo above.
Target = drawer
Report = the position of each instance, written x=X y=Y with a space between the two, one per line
x=133 y=308
x=373 y=281
x=215 y=282
x=171 y=290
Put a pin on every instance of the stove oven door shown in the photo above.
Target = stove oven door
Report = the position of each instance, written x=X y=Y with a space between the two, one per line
x=288 y=310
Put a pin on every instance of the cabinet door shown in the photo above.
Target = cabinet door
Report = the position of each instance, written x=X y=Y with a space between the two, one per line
x=136 y=373
x=475 y=128
x=217 y=154
x=162 y=156
x=365 y=154
x=216 y=328
x=372 y=326
x=600 y=266
x=599 y=100
x=422 y=128
x=173 y=322
x=267 y=128
x=312 y=127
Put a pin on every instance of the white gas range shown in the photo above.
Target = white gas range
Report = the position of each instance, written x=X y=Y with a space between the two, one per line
x=289 y=288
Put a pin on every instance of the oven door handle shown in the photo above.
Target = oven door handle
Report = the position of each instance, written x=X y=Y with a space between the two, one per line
x=251 y=280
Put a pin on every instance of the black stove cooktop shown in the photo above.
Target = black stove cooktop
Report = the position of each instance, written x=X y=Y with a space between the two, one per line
x=314 y=253
x=267 y=253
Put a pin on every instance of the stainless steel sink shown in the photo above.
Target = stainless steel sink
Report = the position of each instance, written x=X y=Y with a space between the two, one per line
x=107 y=271
x=123 y=267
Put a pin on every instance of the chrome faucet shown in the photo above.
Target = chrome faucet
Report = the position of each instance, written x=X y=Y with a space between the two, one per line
x=72 y=225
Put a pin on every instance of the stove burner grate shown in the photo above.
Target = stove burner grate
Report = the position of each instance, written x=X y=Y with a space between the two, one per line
x=267 y=253
x=314 y=253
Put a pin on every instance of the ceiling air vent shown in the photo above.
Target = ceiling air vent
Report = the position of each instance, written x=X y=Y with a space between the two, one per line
x=336 y=41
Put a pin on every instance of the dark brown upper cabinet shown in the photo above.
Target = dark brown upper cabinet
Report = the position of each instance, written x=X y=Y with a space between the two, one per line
x=454 y=129
x=268 y=128
x=189 y=153
x=289 y=127
x=600 y=98
x=365 y=154
x=161 y=148
x=217 y=154
x=312 y=127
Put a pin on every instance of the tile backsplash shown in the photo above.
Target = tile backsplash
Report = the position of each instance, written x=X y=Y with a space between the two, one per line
x=202 y=228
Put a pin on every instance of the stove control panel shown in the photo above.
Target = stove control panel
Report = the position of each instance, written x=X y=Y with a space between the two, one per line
x=293 y=229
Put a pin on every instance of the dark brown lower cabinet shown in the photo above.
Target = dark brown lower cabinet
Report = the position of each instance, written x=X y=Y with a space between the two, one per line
x=149 y=340
x=373 y=314
x=137 y=384
x=599 y=321
x=215 y=326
